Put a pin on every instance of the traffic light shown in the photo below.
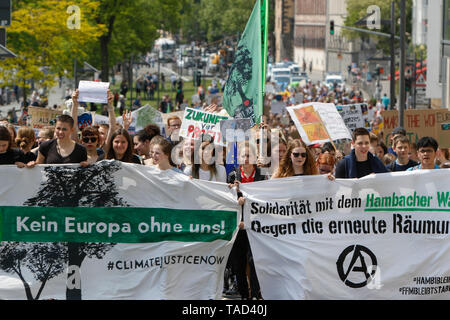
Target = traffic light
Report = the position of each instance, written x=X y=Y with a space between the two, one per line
x=332 y=27
x=408 y=84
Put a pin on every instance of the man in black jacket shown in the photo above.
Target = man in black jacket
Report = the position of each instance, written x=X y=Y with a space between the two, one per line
x=360 y=162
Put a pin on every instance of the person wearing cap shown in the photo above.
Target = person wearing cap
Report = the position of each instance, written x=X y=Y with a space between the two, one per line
x=360 y=162
x=399 y=131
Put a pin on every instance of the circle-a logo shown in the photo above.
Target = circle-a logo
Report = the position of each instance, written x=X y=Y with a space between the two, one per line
x=353 y=268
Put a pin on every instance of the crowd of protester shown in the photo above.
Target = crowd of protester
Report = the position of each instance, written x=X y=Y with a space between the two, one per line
x=285 y=156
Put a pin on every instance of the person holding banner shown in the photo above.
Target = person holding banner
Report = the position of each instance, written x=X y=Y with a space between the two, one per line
x=63 y=149
x=360 y=162
x=426 y=151
x=9 y=155
x=25 y=140
x=298 y=161
x=241 y=255
x=325 y=163
x=45 y=134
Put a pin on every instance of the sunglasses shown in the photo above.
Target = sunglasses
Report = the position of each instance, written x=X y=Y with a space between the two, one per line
x=296 y=154
x=91 y=139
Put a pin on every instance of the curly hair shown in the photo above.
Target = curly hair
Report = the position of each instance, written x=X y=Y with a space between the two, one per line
x=286 y=169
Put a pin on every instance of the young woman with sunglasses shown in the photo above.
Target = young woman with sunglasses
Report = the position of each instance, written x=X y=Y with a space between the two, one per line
x=90 y=139
x=298 y=161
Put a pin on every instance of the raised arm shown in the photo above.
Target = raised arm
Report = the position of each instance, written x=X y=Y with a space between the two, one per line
x=75 y=105
x=112 y=120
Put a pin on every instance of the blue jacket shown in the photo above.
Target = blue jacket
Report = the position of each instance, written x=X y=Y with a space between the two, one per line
x=350 y=164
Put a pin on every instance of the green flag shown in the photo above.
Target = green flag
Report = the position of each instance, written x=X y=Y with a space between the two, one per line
x=244 y=91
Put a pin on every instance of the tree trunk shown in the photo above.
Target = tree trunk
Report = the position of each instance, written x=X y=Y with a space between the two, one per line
x=104 y=41
x=38 y=295
x=24 y=93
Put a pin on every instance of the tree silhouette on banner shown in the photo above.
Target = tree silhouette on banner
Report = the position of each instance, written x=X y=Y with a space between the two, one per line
x=93 y=186
x=44 y=260
x=240 y=75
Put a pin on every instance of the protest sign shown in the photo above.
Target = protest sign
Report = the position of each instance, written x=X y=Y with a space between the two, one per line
x=352 y=116
x=85 y=120
x=298 y=98
x=120 y=231
x=41 y=117
x=93 y=91
x=233 y=130
x=318 y=122
x=198 y=122
x=100 y=119
x=142 y=117
x=277 y=107
x=418 y=124
x=384 y=236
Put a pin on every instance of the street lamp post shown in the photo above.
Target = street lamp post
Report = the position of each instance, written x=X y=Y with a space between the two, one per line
x=414 y=92
x=392 y=50
x=402 y=61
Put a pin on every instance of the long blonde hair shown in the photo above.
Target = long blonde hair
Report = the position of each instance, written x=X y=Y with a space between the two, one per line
x=286 y=169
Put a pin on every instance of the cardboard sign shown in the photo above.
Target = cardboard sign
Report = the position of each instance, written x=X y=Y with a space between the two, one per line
x=41 y=117
x=418 y=124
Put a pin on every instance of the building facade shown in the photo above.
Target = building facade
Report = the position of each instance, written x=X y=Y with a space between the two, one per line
x=310 y=33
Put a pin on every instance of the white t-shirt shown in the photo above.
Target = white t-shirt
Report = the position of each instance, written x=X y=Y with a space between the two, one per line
x=220 y=176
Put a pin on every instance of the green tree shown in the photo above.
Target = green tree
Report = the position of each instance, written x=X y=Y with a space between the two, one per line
x=212 y=20
x=357 y=9
x=44 y=42
x=132 y=27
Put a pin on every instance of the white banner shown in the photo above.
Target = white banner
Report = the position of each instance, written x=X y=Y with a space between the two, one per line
x=113 y=231
x=384 y=236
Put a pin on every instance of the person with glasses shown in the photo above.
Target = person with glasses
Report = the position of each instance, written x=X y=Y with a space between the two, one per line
x=426 y=152
x=90 y=139
x=360 y=162
x=173 y=129
x=45 y=134
x=298 y=161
